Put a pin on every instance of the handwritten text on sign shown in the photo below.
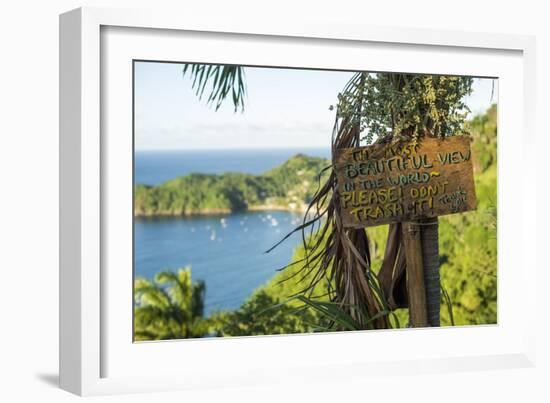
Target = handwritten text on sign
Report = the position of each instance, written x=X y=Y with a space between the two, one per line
x=382 y=184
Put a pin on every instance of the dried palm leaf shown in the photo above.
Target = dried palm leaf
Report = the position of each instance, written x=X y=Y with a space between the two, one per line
x=340 y=256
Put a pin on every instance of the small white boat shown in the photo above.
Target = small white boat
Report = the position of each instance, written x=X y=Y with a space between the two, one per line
x=213 y=236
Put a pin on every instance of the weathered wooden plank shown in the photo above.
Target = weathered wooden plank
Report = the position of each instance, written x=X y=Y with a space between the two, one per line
x=381 y=184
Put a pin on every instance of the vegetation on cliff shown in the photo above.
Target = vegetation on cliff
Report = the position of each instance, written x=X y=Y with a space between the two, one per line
x=288 y=186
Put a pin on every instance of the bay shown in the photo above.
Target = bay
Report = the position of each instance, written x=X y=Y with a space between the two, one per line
x=224 y=251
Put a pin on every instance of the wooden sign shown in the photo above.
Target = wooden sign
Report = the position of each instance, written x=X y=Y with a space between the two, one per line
x=382 y=184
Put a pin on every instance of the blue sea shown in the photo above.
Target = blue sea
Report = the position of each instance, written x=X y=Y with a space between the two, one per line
x=156 y=167
x=225 y=251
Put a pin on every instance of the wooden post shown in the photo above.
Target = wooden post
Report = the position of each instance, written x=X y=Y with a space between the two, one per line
x=430 y=258
x=415 y=274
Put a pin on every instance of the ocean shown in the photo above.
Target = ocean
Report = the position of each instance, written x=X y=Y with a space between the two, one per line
x=156 y=167
x=224 y=251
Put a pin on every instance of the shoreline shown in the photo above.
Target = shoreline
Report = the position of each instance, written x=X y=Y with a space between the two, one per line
x=211 y=212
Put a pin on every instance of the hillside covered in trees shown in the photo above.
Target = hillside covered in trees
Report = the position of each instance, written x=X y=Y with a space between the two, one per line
x=288 y=187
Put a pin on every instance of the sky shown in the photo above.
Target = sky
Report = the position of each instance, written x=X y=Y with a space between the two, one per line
x=284 y=108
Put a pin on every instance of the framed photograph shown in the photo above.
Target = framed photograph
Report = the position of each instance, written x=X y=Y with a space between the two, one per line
x=244 y=202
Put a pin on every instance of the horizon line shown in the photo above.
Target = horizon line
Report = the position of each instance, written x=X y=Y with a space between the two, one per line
x=232 y=148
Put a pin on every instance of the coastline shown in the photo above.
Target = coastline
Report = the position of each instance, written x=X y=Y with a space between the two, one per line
x=286 y=187
x=209 y=212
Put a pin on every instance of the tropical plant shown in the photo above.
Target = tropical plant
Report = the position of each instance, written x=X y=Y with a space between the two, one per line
x=264 y=314
x=388 y=104
x=388 y=108
x=221 y=80
x=169 y=307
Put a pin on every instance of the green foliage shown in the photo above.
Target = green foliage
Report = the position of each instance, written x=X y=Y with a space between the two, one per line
x=468 y=272
x=170 y=307
x=263 y=314
x=483 y=129
x=289 y=185
x=391 y=104
x=468 y=242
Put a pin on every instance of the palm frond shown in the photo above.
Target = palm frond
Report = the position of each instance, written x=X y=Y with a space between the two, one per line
x=169 y=307
x=221 y=81
x=340 y=256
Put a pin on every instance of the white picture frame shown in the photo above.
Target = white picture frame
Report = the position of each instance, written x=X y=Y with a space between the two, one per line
x=92 y=351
